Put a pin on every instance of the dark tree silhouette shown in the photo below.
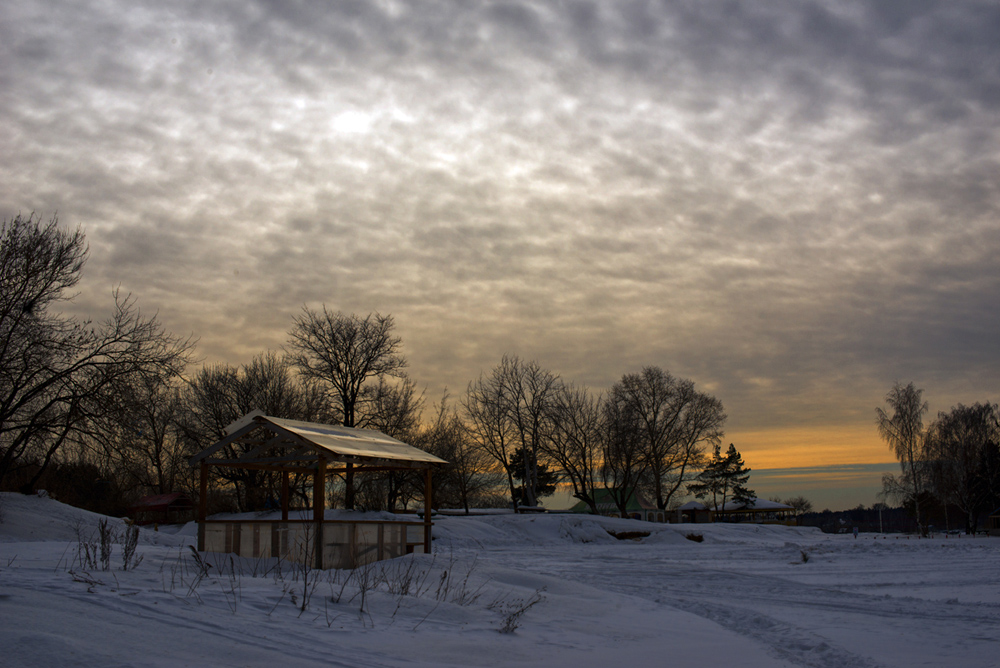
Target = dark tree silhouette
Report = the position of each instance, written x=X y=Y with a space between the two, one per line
x=623 y=458
x=724 y=477
x=343 y=352
x=508 y=409
x=902 y=428
x=55 y=370
x=575 y=442
x=960 y=456
x=676 y=423
x=218 y=395
x=545 y=480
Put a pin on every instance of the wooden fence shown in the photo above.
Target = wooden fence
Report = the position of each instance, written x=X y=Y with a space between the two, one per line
x=342 y=543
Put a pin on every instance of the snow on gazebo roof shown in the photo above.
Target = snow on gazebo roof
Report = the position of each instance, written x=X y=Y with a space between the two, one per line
x=336 y=442
x=755 y=504
x=693 y=505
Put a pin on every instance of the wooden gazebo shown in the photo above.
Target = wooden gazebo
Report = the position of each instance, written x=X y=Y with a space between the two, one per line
x=319 y=450
x=758 y=511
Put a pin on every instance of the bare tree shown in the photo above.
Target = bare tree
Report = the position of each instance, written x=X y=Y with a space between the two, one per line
x=700 y=427
x=472 y=476
x=488 y=425
x=136 y=438
x=510 y=410
x=220 y=394
x=343 y=352
x=801 y=504
x=575 y=443
x=392 y=407
x=268 y=383
x=395 y=409
x=624 y=461
x=54 y=369
x=212 y=401
x=960 y=454
x=530 y=391
x=902 y=428
x=676 y=423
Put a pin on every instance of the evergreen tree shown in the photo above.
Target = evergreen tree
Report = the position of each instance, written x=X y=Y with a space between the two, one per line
x=738 y=476
x=724 y=477
x=545 y=479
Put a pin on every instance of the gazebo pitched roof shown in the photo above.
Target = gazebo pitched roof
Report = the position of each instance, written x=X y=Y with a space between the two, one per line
x=693 y=505
x=301 y=443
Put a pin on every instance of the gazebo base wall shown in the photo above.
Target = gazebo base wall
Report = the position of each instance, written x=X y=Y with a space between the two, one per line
x=345 y=543
x=744 y=517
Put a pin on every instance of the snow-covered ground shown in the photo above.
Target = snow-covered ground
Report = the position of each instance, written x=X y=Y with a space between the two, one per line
x=569 y=592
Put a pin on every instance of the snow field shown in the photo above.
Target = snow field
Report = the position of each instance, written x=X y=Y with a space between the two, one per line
x=568 y=592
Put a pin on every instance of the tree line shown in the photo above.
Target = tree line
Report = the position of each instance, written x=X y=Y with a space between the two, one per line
x=649 y=433
x=951 y=463
x=113 y=402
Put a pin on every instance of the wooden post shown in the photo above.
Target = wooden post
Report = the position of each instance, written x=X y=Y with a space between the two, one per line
x=202 y=506
x=284 y=496
x=349 y=488
x=427 y=511
x=319 y=506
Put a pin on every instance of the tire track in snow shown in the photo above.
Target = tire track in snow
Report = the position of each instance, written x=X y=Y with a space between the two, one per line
x=784 y=640
x=797 y=622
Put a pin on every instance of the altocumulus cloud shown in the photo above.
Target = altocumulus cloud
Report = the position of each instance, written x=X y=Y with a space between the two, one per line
x=793 y=203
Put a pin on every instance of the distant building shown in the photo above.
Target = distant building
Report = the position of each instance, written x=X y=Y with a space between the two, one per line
x=175 y=508
x=638 y=507
x=993 y=523
x=693 y=512
x=759 y=511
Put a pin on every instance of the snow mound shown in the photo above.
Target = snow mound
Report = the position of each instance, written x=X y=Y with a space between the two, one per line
x=531 y=530
x=38 y=518
x=532 y=591
x=510 y=530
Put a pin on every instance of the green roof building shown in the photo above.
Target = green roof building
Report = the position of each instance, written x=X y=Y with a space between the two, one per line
x=638 y=507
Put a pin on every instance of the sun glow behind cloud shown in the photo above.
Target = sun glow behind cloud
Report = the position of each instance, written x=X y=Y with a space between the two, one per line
x=352 y=122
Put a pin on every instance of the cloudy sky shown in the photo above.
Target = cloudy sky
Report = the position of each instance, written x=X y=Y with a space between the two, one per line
x=794 y=204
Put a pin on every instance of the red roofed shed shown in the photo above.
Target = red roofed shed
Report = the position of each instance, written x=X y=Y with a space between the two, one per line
x=173 y=508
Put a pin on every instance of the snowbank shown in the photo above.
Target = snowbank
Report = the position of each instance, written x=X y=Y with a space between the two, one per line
x=39 y=518
x=565 y=590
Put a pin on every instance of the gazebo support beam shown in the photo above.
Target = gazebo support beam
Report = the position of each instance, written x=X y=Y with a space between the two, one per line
x=284 y=496
x=202 y=505
x=349 y=487
x=427 y=511
x=319 y=507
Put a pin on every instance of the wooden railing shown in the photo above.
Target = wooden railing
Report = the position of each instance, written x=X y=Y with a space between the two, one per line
x=342 y=543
